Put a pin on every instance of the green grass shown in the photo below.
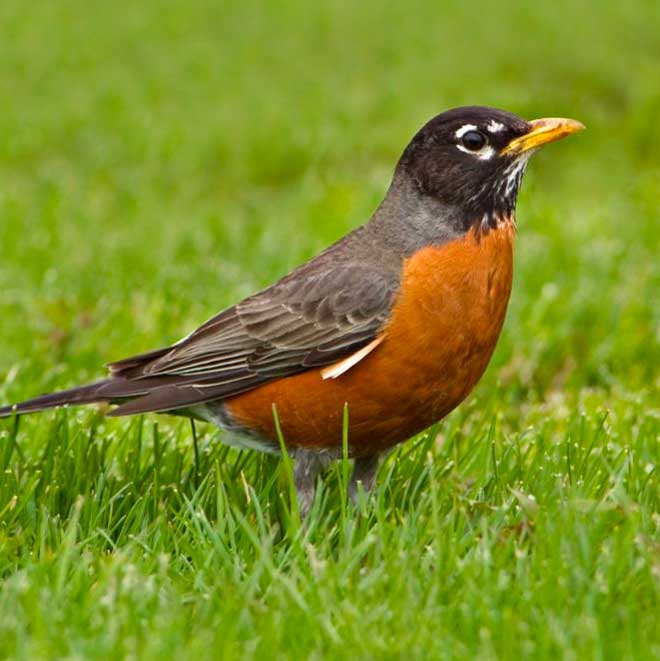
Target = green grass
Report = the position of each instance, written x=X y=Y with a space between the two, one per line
x=160 y=160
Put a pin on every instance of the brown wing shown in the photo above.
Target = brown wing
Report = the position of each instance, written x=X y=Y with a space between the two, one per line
x=314 y=317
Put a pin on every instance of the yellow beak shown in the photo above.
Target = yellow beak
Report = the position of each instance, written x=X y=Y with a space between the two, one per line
x=543 y=131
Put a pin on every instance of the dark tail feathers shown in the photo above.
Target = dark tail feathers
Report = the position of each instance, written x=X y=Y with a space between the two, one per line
x=82 y=395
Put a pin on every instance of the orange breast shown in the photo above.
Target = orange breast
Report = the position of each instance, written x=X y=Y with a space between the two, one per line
x=442 y=332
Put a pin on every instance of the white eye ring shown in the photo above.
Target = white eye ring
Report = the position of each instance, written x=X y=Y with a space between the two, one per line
x=464 y=129
x=483 y=154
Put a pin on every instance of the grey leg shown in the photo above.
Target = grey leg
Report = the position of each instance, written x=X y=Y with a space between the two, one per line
x=309 y=463
x=364 y=472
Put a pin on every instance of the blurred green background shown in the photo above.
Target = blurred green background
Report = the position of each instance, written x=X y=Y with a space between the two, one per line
x=159 y=160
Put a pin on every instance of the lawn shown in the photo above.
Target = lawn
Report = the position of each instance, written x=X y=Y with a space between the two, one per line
x=160 y=160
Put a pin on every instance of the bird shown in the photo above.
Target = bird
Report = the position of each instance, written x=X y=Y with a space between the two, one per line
x=379 y=336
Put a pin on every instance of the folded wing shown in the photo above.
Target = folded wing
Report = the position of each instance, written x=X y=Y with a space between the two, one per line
x=311 y=318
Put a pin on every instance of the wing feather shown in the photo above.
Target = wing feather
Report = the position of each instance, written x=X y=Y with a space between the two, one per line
x=314 y=317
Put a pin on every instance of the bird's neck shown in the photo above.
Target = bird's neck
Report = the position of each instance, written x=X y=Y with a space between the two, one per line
x=410 y=219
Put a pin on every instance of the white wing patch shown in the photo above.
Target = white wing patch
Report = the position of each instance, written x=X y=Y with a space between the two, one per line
x=339 y=368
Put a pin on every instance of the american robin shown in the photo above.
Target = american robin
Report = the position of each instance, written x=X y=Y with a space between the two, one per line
x=396 y=321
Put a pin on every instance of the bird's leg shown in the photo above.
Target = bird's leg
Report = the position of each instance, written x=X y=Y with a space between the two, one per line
x=364 y=472
x=309 y=463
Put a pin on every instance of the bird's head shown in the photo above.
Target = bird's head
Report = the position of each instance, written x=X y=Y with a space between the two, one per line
x=473 y=158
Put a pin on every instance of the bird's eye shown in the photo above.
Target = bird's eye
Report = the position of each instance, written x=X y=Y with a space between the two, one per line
x=473 y=140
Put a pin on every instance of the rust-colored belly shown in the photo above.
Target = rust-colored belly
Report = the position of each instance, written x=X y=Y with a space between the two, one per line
x=442 y=332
